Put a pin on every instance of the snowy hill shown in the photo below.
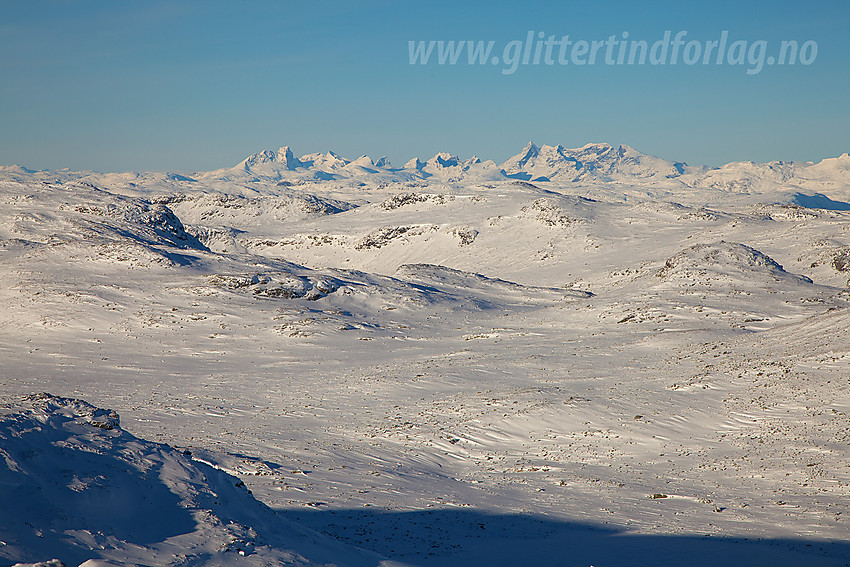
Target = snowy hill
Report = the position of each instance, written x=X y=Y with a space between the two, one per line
x=78 y=487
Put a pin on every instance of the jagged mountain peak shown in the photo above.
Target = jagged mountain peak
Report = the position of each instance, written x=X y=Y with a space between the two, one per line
x=530 y=148
x=517 y=162
x=363 y=161
x=414 y=163
x=444 y=159
x=324 y=161
x=259 y=158
x=283 y=156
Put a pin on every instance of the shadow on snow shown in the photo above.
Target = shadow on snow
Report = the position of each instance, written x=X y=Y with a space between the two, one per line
x=469 y=537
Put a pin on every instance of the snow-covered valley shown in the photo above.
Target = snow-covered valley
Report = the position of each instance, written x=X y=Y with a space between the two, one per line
x=575 y=357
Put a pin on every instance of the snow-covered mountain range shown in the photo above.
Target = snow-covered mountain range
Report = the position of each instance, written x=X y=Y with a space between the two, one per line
x=595 y=164
x=590 y=164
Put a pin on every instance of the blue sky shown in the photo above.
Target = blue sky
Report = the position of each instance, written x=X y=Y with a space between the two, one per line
x=182 y=85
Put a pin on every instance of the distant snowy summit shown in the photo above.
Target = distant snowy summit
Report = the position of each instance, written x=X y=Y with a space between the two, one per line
x=597 y=164
x=329 y=166
x=591 y=163
x=598 y=161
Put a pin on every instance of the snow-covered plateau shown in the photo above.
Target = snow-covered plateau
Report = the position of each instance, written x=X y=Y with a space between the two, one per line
x=577 y=357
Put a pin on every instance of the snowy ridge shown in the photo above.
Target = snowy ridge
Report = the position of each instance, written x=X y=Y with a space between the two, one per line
x=590 y=162
x=78 y=487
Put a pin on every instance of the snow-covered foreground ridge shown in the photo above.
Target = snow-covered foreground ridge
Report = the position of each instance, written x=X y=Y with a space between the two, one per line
x=78 y=487
x=617 y=369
